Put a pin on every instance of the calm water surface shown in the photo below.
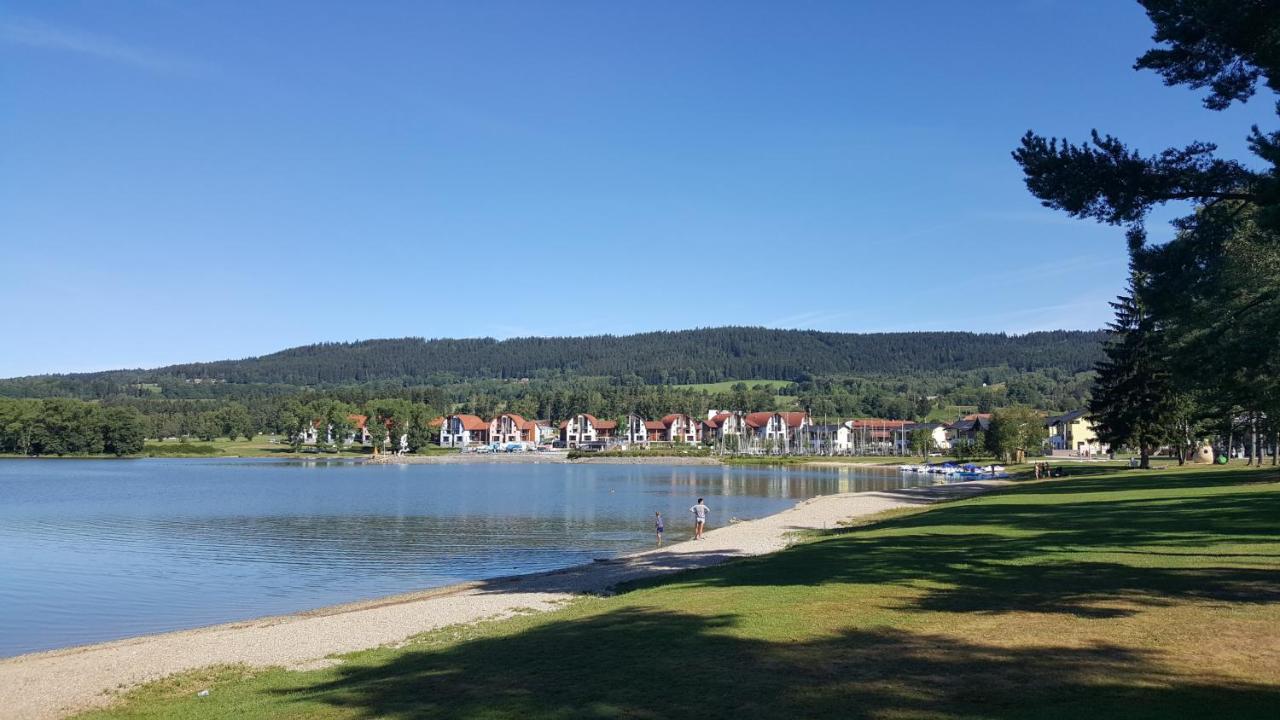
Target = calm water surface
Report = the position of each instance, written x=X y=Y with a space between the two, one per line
x=94 y=550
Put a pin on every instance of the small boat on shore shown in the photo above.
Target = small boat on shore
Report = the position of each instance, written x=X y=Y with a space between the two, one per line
x=968 y=471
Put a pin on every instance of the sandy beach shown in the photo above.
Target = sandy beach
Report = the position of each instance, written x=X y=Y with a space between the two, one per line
x=58 y=683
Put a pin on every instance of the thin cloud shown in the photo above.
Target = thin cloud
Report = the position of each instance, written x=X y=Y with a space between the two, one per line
x=805 y=320
x=43 y=36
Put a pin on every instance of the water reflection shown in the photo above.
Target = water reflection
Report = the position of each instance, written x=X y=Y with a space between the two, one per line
x=94 y=550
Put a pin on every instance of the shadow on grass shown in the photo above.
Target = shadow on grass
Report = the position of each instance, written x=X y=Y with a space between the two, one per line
x=1005 y=553
x=1077 y=558
x=638 y=663
x=1104 y=479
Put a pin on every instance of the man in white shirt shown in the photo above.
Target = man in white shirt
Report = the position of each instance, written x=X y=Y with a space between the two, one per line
x=699 y=518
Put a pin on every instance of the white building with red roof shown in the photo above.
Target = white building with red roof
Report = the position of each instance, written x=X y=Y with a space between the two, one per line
x=642 y=432
x=459 y=431
x=681 y=428
x=776 y=431
x=585 y=428
x=510 y=428
x=724 y=428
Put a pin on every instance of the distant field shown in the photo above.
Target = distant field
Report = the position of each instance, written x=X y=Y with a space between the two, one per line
x=948 y=413
x=260 y=446
x=727 y=385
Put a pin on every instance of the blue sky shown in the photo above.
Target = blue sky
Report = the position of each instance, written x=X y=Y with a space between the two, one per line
x=196 y=181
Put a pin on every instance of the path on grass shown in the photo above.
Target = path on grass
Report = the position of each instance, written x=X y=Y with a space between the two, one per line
x=54 y=684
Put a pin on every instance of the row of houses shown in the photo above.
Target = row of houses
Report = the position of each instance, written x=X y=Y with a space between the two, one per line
x=726 y=429
x=462 y=431
x=770 y=432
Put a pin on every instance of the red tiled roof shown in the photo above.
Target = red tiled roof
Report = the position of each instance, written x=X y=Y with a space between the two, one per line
x=436 y=422
x=878 y=423
x=654 y=425
x=598 y=424
x=758 y=419
x=718 y=419
x=471 y=422
x=794 y=419
x=359 y=420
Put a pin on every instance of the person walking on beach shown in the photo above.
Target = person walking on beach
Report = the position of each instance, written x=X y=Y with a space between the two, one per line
x=658 y=526
x=699 y=518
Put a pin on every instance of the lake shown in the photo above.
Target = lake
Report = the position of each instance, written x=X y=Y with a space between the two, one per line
x=94 y=550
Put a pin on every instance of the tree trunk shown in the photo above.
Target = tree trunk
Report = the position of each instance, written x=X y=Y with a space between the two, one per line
x=1144 y=462
x=1253 y=449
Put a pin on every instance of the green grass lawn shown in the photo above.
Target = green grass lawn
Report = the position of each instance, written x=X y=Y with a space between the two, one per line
x=1112 y=595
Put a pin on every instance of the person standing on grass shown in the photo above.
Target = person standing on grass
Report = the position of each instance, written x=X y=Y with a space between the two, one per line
x=658 y=526
x=699 y=518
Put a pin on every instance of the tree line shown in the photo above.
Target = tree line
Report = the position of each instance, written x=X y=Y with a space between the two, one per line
x=63 y=426
x=30 y=425
x=663 y=358
x=1194 y=350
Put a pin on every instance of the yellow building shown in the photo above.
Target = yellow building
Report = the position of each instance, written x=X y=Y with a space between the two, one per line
x=1074 y=431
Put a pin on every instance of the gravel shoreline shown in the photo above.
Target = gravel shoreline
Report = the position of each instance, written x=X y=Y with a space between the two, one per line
x=54 y=684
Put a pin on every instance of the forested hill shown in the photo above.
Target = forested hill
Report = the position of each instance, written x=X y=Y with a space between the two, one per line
x=687 y=356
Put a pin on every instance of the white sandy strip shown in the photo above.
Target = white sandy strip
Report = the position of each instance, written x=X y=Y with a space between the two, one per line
x=57 y=683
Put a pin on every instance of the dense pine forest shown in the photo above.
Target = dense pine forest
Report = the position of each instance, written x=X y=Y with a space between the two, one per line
x=660 y=358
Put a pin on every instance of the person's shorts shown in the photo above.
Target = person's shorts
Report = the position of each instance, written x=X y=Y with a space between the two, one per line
x=700 y=521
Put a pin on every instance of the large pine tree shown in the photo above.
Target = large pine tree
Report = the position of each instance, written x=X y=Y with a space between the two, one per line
x=1133 y=396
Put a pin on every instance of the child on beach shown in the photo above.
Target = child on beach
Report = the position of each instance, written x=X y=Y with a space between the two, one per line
x=657 y=526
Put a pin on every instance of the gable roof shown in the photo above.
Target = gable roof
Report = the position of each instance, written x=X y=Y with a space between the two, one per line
x=471 y=422
x=1066 y=417
x=979 y=421
x=718 y=419
x=878 y=423
x=794 y=419
x=517 y=420
x=595 y=422
x=758 y=419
